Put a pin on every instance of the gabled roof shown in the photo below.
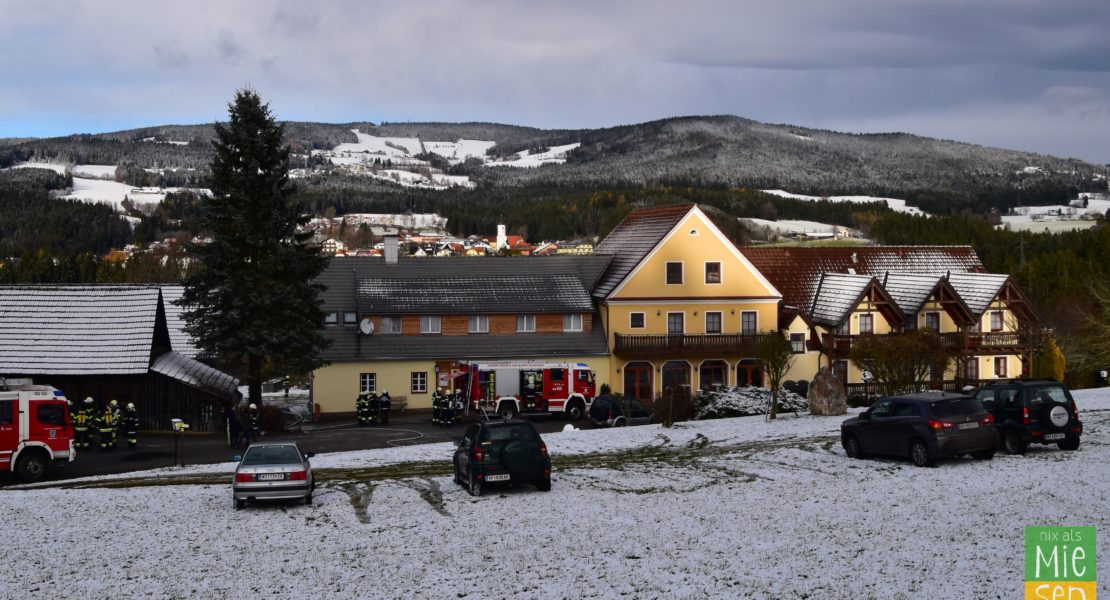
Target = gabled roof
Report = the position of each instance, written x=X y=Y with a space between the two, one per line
x=181 y=342
x=978 y=289
x=910 y=291
x=633 y=239
x=465 y=293
x=795 y=272
x=78 y=329
x=836 y=296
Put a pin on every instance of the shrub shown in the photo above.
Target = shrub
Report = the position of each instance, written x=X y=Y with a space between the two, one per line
x=862 y=400
x=743 y=402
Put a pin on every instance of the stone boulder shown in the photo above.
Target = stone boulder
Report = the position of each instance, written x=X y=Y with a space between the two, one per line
x=827 y=396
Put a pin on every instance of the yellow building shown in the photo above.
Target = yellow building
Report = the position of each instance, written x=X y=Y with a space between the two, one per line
x=683 y=309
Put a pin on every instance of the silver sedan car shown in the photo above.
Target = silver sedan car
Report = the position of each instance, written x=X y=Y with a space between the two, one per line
x=273 y=471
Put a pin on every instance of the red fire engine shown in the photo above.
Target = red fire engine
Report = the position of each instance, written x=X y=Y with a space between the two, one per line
x=35 y=429
x=512 y=388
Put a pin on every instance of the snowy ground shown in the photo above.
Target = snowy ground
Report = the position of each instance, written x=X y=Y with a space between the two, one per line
x=894 y=203
x=525 y=158
x=722 y=509
x=797 y=227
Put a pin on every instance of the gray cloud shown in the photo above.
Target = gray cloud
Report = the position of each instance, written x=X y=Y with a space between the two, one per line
x=984 y=71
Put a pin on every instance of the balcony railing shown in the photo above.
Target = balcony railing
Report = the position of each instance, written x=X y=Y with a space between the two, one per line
x=689 y=344
x=956 y=341
x=948 y=385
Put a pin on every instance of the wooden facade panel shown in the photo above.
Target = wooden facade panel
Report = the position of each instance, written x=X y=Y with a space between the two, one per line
x=454 y=324
x=410 y=325
x=502 y=324
x=549 y=323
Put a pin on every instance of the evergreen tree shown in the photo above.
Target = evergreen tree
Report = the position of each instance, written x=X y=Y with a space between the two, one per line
x=252 y=300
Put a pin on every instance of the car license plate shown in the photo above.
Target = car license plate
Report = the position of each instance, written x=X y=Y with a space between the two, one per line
x=971 y=425
x=271 y=476
x=501 y=477
x=1053 y=436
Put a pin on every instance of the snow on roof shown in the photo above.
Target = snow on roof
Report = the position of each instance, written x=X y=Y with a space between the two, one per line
x=978 y=289
x=910 y=291
x=460 y=293
x=836 y=295
x=195 y=374
x=181 y=342
x=77 y=329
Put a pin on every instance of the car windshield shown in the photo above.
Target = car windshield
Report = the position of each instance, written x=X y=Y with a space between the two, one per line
x=509 y=432
x=956 y=407
x=1049 y=394
x=272 y=455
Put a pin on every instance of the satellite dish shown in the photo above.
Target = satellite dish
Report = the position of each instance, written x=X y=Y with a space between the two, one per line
x=366 y=326
x=867 y=376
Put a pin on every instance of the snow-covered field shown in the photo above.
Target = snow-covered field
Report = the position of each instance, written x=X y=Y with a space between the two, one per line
x=110 y=192
x=720 y=509
x=554 y=155
x=796 y=227
x=893 y=203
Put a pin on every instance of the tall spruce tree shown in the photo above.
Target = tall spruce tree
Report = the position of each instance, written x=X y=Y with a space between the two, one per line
x=252 y=301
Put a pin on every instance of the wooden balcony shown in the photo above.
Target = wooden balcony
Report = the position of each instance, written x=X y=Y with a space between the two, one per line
x=1002 y=342
x=948 y=385
x=688 y=344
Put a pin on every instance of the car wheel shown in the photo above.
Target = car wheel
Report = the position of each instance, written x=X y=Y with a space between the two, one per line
x=1069 y=444
x=475 y=487
x=31 y=467
x=239 y=504
x=851 y=447
x=458 y=475
x=506 y=411
x=620 y=423
x=308 y=499
x=1013 y=443
x=920 y=454
x=544 y=485
x=983 y=455
x=575 y=411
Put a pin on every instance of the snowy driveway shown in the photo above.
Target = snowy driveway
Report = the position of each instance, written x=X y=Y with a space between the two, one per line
x=724 y=509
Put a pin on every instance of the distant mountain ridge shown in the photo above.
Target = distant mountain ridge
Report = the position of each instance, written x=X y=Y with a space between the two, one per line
x=724 y=151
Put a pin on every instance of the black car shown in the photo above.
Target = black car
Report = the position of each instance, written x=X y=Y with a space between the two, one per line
x=1032 y=411
x=618 y=411
x=495 y=452
x=925 y=427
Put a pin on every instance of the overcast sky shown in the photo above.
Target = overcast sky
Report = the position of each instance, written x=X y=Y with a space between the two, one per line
x=1028 y=75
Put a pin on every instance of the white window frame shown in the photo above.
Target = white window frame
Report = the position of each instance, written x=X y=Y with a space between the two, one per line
x=569 y=322
x=430 y=325
x=720 y=321
x=798 y=349
x=367 y=382
x=477 y=324
x=683 y=315
x=749 y=312
x=526 y=323
x=681 y=272
x=391 y=325
x=1001 y=321
x=418 y=382
x=870 y=319
x=720 y=272
x=643 y=320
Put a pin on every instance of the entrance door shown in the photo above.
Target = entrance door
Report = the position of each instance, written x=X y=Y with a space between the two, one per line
x=637 y=380
x=749 y=372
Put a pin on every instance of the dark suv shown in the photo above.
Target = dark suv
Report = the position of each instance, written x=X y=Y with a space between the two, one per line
x=1032 y=411
x=509 y=452
x=618 y=411
x=925 y=427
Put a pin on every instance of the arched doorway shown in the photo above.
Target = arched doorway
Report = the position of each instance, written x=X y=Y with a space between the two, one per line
x=749 y=372
x=676 y=377
x=638 y=380
x=712 y=374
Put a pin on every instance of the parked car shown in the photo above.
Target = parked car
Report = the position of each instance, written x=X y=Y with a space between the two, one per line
x=618 y=411
x=273 y=471
x=924 y=427
x=496 y=452
x=1032 y=411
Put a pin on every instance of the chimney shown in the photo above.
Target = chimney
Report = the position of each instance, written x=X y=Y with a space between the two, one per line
x=390 y=249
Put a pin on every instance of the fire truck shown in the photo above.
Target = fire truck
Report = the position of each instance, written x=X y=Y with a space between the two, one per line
x=512 y=388
x=35 y=429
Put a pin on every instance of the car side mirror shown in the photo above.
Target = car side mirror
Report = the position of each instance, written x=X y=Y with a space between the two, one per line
x=237 y=458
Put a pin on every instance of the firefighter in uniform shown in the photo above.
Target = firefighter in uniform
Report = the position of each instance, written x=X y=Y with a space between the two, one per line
x=384 y=403
x=372 y=407
x=130 y=425
x=448 y=409
x=362 y=409
x=254 y=424
x=82 y=421
x=108 y=425
x=437 y=403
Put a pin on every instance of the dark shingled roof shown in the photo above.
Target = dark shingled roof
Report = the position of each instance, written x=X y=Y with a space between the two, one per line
x=195 y=374
x=463 y=294
x=796 y=271
x=633 y=239
x=181 y=342
x=77 y=329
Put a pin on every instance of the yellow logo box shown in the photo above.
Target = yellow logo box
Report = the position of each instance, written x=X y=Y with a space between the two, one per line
x=1060 y=590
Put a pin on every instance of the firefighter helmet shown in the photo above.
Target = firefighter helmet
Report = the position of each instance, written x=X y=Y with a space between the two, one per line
x=113 y=404
x=385 y=392
x=252 y=406
x=130 y=406
x=88 y=400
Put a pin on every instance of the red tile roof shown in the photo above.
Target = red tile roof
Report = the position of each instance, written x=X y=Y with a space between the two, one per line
x=796 y=271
